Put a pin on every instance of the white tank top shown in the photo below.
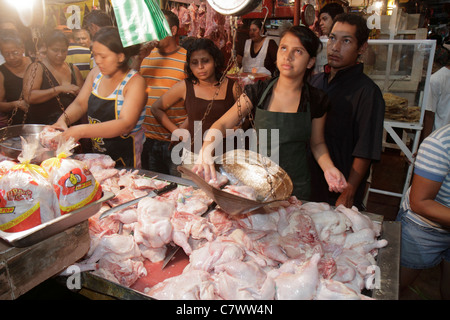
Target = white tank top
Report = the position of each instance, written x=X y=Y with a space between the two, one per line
x=248 y=63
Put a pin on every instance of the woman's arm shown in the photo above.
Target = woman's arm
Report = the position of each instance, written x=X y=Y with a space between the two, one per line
x=78 y=77
x=79 y=106
x=422 y=200
x=32 y=84
x=229 y=120
x=176 y=93
x=134 y=102
x=335 y=179
x=10 y=105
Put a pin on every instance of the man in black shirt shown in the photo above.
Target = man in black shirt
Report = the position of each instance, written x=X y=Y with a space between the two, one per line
x=354 y=125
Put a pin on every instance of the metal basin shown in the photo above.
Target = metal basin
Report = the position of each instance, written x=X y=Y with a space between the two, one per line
x=244 y=167
x=11 y=144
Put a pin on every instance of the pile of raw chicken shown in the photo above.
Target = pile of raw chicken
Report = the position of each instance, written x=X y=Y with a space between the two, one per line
x=294 y=251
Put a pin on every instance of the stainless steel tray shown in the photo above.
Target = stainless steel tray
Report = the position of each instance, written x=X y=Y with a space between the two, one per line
x=43 y=231
x=10 y=142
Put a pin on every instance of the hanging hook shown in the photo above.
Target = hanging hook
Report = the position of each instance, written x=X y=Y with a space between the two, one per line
x=264 y=21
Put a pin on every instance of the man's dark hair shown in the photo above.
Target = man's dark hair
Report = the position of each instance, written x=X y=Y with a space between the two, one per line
x=97 y=17
x=362 y=32
x=172 y=18
x=333 y=9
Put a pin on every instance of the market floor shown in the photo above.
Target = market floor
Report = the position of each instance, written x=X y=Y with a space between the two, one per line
x=389 y=175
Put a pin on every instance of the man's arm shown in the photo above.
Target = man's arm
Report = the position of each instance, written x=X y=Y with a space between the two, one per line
x=357 y=173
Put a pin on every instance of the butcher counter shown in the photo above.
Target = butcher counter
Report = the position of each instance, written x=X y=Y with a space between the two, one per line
x=21 y=269
x=386 y=282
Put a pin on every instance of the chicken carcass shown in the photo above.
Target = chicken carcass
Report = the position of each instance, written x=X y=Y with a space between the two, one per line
x=243 y=280
x=297 y=283
x=186 y=226
x=153 y=228
x=192 y=285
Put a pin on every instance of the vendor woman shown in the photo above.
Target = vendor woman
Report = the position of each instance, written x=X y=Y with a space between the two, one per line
x=290 y=104
x=114 y=97
x=260 y=52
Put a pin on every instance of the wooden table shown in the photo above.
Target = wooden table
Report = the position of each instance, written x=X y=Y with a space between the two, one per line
x=21 y=269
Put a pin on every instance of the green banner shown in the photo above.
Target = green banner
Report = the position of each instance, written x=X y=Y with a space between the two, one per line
x=140 y=21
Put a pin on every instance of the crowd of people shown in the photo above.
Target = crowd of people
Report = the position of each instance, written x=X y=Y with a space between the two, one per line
x=132 y=104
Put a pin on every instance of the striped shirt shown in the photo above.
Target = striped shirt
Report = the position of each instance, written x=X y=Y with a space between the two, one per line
x=118 y=96
x=433 y=163
x=161 y=73
x=80 y=57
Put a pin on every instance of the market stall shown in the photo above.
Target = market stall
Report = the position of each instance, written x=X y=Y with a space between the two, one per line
x=100 y=282
x=260 y=242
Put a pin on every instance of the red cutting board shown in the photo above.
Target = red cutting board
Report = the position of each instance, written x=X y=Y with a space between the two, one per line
x=155 y=275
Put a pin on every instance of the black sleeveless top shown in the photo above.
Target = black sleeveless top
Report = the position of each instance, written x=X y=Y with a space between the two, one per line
x=13 y=90
x=49 y=111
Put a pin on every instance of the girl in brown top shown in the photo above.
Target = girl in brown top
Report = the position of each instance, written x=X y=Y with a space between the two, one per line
x=205 y=98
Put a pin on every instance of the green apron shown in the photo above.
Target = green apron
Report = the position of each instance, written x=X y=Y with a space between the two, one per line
x=294 y=137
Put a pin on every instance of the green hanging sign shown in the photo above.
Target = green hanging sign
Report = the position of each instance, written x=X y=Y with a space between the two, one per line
x=140 y=21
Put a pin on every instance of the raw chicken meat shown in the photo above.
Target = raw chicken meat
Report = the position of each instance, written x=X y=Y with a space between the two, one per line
x=154 y=228
x=192 y=285
x=96 y=159
x=50 y=138
x=294 y=250
x=241 y=191
x=298 y=283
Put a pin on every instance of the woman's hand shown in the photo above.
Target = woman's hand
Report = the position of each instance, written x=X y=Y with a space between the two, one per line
x=69 y=88
x=60 y=124
x=22 y=105
x=335 y=179
x=205 y=167
x=75 y=132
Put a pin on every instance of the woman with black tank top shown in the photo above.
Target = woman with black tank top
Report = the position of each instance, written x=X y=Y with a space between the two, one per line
x=206 y=100
x=290 y=109
x=11 y=78
x=52 y=78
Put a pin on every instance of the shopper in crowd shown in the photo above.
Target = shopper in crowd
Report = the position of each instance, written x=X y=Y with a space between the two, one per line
x=425 y=213
x=259 y=53
x=162 y=67
x=6 y=23
x=82 y=37
x=287 y=103
x=51 y=84
x=79 y=56
x=206 y=98
x=94 y=21
x=437 y=112
x=113 y=97
x=326 y=16
x=11 y=78
x=354 y=124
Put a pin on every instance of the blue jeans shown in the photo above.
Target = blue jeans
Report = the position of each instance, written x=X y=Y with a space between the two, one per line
x=156 y=157
x=422 y=247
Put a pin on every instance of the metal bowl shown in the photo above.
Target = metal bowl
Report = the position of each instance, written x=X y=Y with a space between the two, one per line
x=249 y=168
x=11 y=144
x=243 y=167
